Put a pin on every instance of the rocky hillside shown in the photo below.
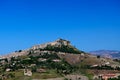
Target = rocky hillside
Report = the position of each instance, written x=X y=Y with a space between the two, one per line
x=59 y=45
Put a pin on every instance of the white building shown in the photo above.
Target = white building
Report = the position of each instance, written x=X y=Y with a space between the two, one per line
x=27 y=72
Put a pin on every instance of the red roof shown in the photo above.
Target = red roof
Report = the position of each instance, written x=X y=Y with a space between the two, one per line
x=109 y=75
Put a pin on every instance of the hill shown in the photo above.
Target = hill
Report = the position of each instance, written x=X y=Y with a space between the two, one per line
x=52 y=60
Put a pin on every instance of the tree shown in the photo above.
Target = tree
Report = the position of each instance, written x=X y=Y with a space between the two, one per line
x=20 y=51
x=34 y=69
x=6 y=60
x=98 y=56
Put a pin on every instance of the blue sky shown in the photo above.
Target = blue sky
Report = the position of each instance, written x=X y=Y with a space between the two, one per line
x=88 y=24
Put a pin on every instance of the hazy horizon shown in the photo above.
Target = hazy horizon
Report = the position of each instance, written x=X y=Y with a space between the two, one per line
x=89 y=25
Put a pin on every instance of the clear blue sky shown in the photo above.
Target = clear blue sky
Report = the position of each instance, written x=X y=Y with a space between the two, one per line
x=88 y=24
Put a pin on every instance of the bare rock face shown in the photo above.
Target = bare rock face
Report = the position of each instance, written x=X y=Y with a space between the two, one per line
x=16 y=54
x=56 y=43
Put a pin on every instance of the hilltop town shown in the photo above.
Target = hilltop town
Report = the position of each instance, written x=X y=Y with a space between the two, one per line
x=57 y=60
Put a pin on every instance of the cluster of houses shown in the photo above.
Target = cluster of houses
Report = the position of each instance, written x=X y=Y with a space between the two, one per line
x=58 y=42
x=28 y=72
x=106 y=76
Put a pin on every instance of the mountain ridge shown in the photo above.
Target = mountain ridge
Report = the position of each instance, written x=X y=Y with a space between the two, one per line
x=115 y=54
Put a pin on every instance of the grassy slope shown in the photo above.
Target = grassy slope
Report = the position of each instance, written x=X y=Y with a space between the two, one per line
x=20 y=76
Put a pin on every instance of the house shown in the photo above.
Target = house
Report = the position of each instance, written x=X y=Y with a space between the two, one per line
x=41 y=70
x=107 y=76
x=95 y=65
x=42 y=59
x=61 y=53
x=107 y=63
x=82 y=54
x=56 y=60
x=27 y=72
x=95 y=77
x=32 y=65
x=8 y=69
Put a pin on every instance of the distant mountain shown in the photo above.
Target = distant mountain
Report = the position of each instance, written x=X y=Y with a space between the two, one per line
x=107 y=53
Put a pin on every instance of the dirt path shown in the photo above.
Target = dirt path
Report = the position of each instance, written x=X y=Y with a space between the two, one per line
x=72 y=77
x=51 y=79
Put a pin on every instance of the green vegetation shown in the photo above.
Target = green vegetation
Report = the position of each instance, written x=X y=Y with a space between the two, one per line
x=49 y=74
x=65 y=78
x=18 y=75
x=53 y=69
